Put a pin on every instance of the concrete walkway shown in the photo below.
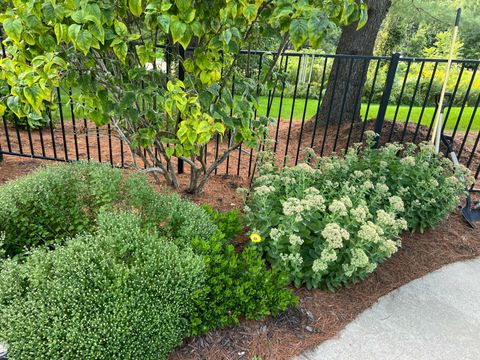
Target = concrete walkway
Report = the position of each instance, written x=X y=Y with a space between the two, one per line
x=436 y=317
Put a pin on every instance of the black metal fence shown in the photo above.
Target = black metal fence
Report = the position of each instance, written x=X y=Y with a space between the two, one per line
x=316 y=103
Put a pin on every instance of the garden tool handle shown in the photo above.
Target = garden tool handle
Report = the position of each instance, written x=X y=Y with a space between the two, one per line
x=445 y=80
x=459 y=15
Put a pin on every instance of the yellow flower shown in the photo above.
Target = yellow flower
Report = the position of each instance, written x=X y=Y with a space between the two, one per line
x=256 y=238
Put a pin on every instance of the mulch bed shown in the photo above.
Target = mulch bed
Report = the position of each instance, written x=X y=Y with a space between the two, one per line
x=320 y=315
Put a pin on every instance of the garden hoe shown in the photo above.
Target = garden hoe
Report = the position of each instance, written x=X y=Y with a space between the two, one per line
x=469 y=212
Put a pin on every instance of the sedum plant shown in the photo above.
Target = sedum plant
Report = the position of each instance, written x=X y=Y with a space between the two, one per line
x=331 y=221
x=109 y=53
x=119 y=293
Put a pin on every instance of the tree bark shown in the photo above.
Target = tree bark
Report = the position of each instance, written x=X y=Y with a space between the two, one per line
x=342 y=101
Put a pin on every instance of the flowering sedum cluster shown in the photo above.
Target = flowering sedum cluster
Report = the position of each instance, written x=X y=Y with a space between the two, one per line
x=332 y=221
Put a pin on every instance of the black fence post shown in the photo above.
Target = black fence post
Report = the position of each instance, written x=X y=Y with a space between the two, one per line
x=181 y=76
x=392 y=70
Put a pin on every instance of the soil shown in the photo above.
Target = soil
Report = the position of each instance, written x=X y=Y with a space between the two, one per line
x=320 y=315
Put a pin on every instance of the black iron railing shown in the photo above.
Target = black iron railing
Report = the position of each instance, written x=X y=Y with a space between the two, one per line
x=316 y=103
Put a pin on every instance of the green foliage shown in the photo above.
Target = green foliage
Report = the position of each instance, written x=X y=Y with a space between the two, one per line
x=332 y=223
x=2 y=250
x=238 y=284
x=412 y=26
x=229 y=223
x=441 y=46
x=60 y=201
x=463 y=94
x=118 y=293
x=55 y=202
x=179 y=219
x=101 y=50
x=123 y=248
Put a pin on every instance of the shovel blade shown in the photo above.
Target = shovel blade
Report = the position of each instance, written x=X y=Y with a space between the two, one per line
x=471 y=215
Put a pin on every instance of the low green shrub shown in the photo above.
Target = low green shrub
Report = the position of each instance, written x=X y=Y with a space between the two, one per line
x=61 y=201
x=119 y=293
x=179 y=219
x=238 y=284
x=229 y=223
x=332 y=221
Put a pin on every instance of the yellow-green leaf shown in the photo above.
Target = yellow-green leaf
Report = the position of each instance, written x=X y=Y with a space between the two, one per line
x=164 y=21
x=135 y=7
x=363 y=16
x=298 y=32
x=61 y=32
x=219 y=128
x=98 y=32
x=120 y=28
x=73 y=31
x=169 y=151
x=183 y=5
x=143 y=54
x=13 y=28
x=186 y=38
x=250 y=12
x=33 y=95
x=121 y=50
x=204 y=126
x=178 y=29
x=84 y=41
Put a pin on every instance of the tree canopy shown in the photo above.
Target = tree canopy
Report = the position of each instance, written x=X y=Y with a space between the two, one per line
x=114 y=56
x=413 y=26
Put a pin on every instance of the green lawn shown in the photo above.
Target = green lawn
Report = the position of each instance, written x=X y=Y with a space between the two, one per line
x=372 y=113
x=401 y=117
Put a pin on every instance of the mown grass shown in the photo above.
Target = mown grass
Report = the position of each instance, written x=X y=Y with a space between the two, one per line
x=311 y=108
x=402 y=115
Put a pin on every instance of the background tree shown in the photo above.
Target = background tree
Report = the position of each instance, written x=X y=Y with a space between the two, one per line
x=347 y=77
x=413 y=25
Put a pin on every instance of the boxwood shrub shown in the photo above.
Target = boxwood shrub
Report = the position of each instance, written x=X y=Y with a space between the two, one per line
x=118 y=293
x=239 y=284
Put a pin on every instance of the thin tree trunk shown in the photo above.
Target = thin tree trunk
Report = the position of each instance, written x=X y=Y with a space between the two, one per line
x=341 y=102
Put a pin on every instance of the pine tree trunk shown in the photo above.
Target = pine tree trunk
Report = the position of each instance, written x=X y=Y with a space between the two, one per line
x=342 y=102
